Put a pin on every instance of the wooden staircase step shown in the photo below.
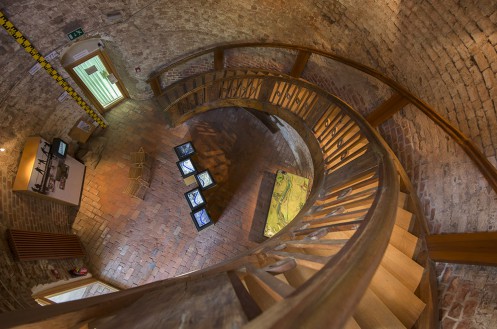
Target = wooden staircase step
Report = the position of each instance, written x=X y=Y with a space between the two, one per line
x=318 y=244
x=339 y=235
x=372 y=313
x=334 y=156
x=346 y=226
x=331 y=144
x=298 y=276
x=404 y=218
x=354 y=188
x=403 y=198
x=365 y=199
x=320 y=224
x=326 y=248
x=402 y=267
x=350 y=195
x=352 y=324
x=404 y=241
x=263 y=285
x=336 y=218
x=309 y=261
x=360 y=178
x=400 y=300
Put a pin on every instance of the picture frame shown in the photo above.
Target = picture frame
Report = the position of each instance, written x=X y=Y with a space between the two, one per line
x=205 y=180
x=186 y=167
x=195 y=198
x=184 y=150
x=201 y=218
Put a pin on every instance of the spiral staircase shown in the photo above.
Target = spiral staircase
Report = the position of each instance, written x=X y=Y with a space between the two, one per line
x=354 y=257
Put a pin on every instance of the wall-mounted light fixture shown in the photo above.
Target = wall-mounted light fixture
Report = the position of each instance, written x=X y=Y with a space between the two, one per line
x=2 y=149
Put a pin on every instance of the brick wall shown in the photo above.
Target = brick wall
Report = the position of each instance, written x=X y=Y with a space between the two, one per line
x=358 y=90
x=28 y=106
x=439 y=169
x=18 y=211
x=199 y=65
x=280 y=60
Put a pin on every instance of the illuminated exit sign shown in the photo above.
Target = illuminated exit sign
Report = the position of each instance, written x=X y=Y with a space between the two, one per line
x=75 y=34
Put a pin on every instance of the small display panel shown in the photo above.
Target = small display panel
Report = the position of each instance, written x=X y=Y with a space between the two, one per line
x=184 y=150
x=201 y=218
x=205 y=180
x=195 y=198
x=59 y=148
x=186 y=167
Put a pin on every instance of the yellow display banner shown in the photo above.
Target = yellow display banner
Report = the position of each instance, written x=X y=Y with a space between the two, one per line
x=289 y=196
x=30 y=49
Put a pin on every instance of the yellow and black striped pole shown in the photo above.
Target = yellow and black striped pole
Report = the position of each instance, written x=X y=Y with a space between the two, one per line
x=30 y=49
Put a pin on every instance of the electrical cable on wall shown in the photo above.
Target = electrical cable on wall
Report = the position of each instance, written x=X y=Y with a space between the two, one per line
x=29 y=48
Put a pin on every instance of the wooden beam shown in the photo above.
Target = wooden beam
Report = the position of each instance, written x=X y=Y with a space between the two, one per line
x=300 y=63
x=218 y=59
x=155 y=85
x=249 y=306
x=387 y=109
x=464 y=248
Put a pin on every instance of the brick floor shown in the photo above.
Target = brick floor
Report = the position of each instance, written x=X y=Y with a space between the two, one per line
x=132 y=242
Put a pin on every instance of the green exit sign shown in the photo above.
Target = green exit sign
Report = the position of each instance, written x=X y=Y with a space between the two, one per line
x=75 y=34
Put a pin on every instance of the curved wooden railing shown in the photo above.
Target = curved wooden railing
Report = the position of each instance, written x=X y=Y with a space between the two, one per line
x=327 y=267
x=304 y=53
x=353 y=157
x=337 y=241
x=263 y=89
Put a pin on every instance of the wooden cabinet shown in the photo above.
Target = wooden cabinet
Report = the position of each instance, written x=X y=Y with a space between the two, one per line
x=49 y=177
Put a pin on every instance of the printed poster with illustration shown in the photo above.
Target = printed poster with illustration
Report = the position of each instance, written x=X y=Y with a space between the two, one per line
x=289 y=196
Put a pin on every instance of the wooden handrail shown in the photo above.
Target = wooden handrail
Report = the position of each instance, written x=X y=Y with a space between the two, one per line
x=478 y=158
x=341 y=283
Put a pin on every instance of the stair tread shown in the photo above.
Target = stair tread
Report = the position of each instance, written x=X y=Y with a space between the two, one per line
x=276 y=288
x=404 y=218
x=402 y=267
x=406 y=306
x=299 y=275
x=403 y=197
x=372 y=313
x=351 y=324
x=311 y=261
x=339 y=235
x=404 y=241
